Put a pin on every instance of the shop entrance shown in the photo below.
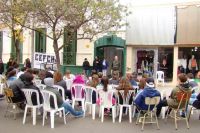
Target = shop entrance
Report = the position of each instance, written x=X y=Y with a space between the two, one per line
x=184 y=56
x=109 y=53
x=145 y=61
x=110 y=46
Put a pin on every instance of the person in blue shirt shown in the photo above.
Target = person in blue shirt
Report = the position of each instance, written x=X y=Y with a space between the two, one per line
x=149 y=91
x=105 y=66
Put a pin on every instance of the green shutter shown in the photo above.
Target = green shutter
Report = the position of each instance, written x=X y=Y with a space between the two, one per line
x=69 y=51
x=40 y=40
x=1 y=43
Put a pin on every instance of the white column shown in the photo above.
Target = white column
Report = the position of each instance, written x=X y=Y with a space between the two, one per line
x=175 y=65
x=129 y=58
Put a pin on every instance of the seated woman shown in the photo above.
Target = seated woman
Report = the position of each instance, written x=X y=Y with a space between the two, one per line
x=68 y=75
x=60 y=102
x=125 y=85
x=79 y=80
x=93 y=83
x=58 y=80
x=104 y=87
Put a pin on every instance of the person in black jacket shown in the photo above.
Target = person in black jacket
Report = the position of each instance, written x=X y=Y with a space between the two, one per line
x=96 y=64
x=1 y=66
x=196 y=103
x=16 y=87
x=9 y=63
x=86 y=67
x=28 y=84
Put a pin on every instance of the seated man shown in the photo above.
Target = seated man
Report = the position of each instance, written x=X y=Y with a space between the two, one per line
x=115 y=79
x=183 y=85
x=28 y=84
x=16 y=87
x=149 y=91
x=196 y=103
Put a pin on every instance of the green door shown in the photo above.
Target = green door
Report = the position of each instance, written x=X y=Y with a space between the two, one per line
x=40 y=40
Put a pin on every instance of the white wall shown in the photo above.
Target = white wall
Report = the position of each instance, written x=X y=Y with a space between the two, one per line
x=151 y=26
x=27 y=45
x=6 y=45
x=85 y=49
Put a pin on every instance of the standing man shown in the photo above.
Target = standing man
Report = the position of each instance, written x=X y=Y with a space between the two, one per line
x=116 y=65
x=193 y=65
x=183 y=64
x=86 y=67
x=96 y=64
x=104 y=67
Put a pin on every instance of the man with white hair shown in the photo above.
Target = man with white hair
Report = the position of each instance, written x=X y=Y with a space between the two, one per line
x=116 y=65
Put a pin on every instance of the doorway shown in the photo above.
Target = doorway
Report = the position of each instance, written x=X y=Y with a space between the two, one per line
x=109 y=53
x=145 y=61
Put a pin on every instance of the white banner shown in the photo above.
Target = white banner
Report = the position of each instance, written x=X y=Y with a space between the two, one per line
x=43 y=61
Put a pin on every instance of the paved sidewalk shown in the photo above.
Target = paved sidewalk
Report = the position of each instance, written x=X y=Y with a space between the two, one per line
x=87 y=125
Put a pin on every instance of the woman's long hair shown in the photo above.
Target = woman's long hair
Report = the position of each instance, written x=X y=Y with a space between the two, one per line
x=125 y=85
x=57 y=76
x=104 y=82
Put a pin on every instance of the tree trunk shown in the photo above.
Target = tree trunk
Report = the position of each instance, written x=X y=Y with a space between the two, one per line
x=55 y=46
x=17 y=51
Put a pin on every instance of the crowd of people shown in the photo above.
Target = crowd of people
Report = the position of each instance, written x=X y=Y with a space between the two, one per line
x=24 y=78
x=101 y=65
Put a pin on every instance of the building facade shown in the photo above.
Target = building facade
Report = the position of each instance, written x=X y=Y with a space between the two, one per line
x=160 y=37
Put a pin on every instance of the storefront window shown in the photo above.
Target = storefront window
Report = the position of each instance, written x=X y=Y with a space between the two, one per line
x=189 y=60
x=145 y=61
x=165 y=62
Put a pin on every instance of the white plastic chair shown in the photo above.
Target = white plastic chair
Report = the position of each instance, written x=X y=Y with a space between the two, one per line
x=106 y=102
x=160 y=77
x=1 y=88
x=28 y=94
x=2 y=84
x=114 y=87
x=47 y=108
x=78 y=94
x=41 y=86
x=88 y=99
x=61 y=90
x=125 y=103
x=69 y=83
x=37 y=81
x=150 y=112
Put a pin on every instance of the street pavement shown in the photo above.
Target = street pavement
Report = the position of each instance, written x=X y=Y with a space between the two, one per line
x=87 y=125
